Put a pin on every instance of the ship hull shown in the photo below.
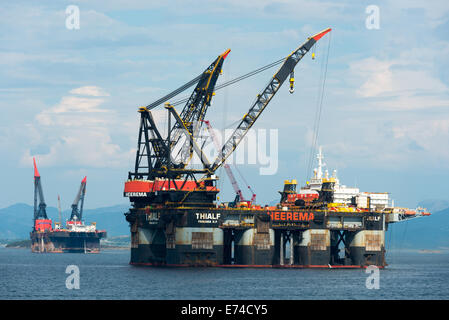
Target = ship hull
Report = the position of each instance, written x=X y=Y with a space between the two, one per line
x=66 y=242
x=223 y=237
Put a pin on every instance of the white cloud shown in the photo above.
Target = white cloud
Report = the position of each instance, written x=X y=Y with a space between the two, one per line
x=138 y=60
x=89 y=91
x=71 y=111
x=435 y=11
x=78 y=133
x=378 y=74
x=399 y=84
x=429 y=136
x=86 y=148
x=77 y=104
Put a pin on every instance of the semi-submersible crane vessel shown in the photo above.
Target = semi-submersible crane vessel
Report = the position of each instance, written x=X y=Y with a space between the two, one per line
x=75 y=237
x=175 y=219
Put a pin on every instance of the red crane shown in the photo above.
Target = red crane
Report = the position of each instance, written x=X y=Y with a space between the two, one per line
x=41 y=221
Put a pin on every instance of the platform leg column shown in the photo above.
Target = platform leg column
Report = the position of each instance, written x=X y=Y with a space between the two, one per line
x=292 y=254
x=281 y=258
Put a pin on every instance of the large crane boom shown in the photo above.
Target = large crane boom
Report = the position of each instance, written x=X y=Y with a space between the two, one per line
x=202 y=84
x=196 y=107
x=264 y=98
x=78 y=213
x=154 y=153
x=39 y=208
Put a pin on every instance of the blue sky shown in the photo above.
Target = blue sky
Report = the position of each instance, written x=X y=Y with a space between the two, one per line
x=69 y=97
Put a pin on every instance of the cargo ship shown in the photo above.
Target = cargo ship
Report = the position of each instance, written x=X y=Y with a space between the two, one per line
x=176 y=219
x=75 y=237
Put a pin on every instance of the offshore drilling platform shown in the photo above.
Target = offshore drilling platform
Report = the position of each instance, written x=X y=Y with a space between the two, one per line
x=76 y=237
x=175 y=219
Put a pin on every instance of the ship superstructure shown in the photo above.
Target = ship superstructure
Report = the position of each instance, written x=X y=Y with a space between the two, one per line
x=176 y=220
x=342 y=193
x=76 y=237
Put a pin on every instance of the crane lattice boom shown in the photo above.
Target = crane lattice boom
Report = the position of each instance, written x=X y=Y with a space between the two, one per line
x=264 y=98
x=78 y=213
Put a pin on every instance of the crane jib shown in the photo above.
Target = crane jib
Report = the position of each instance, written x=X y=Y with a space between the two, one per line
x=264 y=98
x=156 y=156
x=286 y=69
x=78 y=213
x=39 y=208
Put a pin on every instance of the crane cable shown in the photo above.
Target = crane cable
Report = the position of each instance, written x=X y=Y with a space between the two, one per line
x=317 y=116
x=230 y=82
x=223 y=85
x=225 y=117
x=174 y=93
x=320 y=98
x=404 y=233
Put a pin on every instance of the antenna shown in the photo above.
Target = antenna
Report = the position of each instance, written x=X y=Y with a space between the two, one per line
x=59 y=209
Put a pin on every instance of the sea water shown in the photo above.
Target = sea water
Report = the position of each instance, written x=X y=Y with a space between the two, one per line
x=108 y=275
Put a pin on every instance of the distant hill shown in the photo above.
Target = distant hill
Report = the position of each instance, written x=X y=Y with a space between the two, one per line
x=429 y=232
x=16 y=221
x=19 y=244
x=111 y=219
x=434 y=205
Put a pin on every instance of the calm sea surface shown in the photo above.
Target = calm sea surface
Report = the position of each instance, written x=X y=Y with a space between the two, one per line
x=24 y=275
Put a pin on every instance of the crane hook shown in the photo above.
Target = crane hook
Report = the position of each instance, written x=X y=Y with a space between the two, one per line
x=292 y=82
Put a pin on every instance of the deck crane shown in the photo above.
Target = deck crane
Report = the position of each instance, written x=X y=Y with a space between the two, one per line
x=41 y=221
x=77 y=214
x=264 y=98
x=253 y=197
x=155 y=168
x=196 y=107
x=154 y=157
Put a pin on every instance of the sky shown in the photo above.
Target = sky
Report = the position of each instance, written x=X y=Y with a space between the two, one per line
x=69 y=97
